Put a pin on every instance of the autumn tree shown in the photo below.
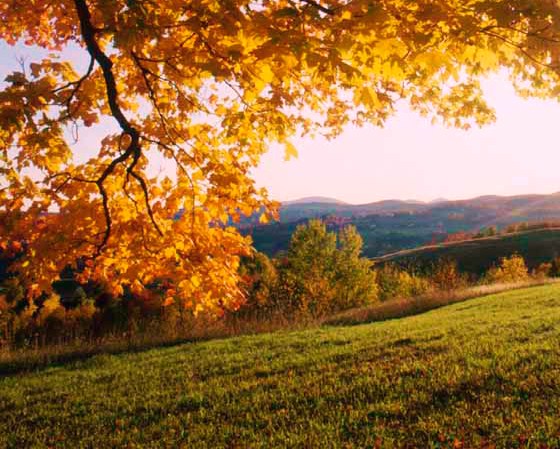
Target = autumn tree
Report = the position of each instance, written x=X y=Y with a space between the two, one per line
x=325 y=270
x=445 y=275
x=356 y=281
x=510 y=269
x=206 y=86
x=259 y=279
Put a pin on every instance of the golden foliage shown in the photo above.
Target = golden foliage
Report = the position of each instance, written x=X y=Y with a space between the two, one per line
x=207 y=86
x=511 y=269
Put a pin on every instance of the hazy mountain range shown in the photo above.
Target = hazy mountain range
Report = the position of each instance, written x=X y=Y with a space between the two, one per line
x=393 y=225
x=313 y=199
x=319 y=206
x=328 y=200
x=504 y=207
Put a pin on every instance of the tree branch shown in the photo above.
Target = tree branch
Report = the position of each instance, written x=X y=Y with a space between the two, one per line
x=320 y=7
x=134 y=150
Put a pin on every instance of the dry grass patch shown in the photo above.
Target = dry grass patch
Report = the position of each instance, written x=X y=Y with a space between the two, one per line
x=403 y=307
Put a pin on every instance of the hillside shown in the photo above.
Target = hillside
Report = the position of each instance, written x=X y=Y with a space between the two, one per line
x=391 y=226
x=313 y=199
x=483 y=373
x=476 y=256
x=492 y=209
x=293 y=211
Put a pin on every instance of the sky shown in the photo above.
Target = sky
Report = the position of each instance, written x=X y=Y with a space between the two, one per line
x=410 y=158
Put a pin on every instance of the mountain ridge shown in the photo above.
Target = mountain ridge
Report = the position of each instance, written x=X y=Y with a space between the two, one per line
x=393 y=225
x=313 y=200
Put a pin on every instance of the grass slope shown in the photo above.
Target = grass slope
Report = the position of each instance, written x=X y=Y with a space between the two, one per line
x=468 y=375
x=476 y=256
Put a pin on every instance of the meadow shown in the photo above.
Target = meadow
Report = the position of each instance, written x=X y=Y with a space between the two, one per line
x=481 y=373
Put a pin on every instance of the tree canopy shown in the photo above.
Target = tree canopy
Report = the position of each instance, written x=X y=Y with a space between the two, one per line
x=209 y=85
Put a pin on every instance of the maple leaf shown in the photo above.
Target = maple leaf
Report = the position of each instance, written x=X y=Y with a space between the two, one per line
x=207 y=87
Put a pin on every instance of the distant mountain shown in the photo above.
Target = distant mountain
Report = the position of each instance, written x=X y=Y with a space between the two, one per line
x=498 y=209
x=290 y=212
x=439 y=200
x=312 y=200
x=388 y=206
x=394 y=225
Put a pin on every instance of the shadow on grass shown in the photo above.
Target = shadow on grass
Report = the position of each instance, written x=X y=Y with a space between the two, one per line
x=30 y=360
x=25 y=360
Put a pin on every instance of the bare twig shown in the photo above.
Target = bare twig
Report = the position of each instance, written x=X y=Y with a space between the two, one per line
x=320 y=7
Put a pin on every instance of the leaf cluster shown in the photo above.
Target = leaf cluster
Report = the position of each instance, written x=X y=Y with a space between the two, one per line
x=207 y=87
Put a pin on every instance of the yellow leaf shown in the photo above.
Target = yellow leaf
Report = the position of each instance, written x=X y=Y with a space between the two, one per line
x=263 y=219
x=169 y=252
x=195 y=281
x=267 y=75
x=290 y=151
x=264 y=77
x=368 y=97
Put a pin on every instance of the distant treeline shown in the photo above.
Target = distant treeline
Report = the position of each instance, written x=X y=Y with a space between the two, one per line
x=537 y=244
x=492 y=231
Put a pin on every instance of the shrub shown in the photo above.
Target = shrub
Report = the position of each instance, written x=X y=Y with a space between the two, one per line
x=555 y=268
x=395 y=282
x=510 y=269
x=445 y=275
x=486 y=232
x=324 y=273
x=355 y=280
x=542 y=271
x=259 y=279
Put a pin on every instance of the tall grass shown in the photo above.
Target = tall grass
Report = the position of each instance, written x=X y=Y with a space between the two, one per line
x=15 y=359
x=30 y=358
x=399 y=308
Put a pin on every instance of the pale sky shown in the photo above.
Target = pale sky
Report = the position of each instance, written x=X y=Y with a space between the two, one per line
x=412 y=159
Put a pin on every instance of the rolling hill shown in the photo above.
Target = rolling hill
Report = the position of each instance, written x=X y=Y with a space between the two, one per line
x=393 y=225
x=497 y=209
x=482 y=373
x=301 y=209
x=313 y=199
x=477 y=255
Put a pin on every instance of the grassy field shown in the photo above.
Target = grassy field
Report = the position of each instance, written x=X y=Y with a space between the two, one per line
x=482 y=373
x=476 y=256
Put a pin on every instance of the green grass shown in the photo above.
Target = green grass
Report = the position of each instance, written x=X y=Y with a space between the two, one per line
x=483 y=371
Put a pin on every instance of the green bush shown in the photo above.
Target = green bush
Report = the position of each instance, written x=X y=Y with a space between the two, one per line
x=395 y=282
x=323 y=272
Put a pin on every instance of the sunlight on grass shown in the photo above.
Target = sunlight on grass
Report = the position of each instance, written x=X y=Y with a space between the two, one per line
x=460 y=376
